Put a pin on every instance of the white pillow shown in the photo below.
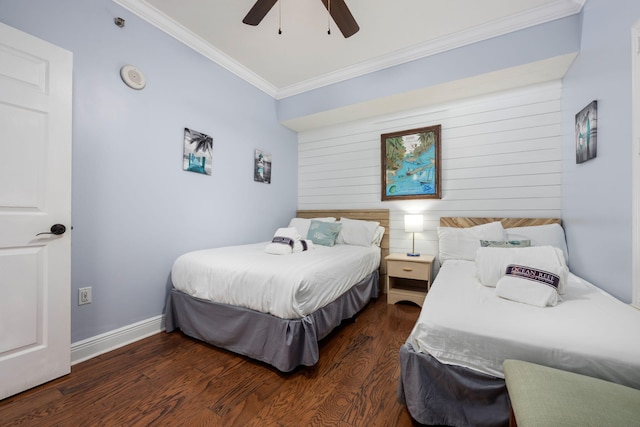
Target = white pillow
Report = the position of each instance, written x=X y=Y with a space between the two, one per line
x=377 y=236
x=529 y=286
x=302 y=224
x=462 y=243
x=492 y=263
x=541 y=235
x=356 y=232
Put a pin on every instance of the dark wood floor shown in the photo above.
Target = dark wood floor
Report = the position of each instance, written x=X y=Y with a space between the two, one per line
x=170 y=379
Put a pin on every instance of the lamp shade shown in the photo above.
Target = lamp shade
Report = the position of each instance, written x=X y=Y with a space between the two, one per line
x=413 y=223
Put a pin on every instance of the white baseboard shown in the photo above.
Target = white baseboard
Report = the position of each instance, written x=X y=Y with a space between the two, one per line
x=103 y=343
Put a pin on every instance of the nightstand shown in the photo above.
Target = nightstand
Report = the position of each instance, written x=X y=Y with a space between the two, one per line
x=408 y=277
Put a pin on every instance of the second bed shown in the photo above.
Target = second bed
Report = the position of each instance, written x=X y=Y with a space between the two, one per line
x=451 y=364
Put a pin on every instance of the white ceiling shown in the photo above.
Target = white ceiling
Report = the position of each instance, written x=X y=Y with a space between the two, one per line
x=304 y=57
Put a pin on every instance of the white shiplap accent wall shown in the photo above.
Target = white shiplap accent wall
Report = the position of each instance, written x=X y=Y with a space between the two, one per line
x=501 y=156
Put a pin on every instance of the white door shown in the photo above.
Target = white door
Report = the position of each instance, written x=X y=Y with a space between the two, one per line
x=35 y=194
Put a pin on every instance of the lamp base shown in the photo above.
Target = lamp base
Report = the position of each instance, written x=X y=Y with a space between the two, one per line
x=412 y=254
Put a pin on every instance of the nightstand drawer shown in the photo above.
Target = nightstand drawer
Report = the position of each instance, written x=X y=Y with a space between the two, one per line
x=409 y=270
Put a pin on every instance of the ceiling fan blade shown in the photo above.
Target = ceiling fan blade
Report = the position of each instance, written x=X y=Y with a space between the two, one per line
x=342 y=17
x=258 y=11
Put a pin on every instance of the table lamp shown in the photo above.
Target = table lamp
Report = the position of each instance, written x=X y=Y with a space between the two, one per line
x=413 y=224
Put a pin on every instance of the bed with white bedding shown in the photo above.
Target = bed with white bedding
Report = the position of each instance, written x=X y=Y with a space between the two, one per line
x=288 y=287
x=451 y=364
x=275 y=308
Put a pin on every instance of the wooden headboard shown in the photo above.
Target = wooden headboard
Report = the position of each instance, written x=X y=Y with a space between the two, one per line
x=379 y=215
x=464 y=222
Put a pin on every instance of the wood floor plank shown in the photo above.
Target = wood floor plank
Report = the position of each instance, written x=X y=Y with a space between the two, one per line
x=171 y=379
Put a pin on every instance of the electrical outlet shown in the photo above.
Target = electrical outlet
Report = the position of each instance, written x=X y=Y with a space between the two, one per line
x=84 y=296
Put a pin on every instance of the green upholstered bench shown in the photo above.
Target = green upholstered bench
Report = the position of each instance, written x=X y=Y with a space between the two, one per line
x=543 y=396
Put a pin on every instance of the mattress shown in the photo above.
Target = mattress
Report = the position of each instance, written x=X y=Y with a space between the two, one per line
x=286 y=286
x=589 y=332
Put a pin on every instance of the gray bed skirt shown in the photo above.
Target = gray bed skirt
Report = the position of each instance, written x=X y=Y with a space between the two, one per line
x=440 y=394
x=282 y=343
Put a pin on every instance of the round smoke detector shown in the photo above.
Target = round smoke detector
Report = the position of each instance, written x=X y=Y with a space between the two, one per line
x=132 y=77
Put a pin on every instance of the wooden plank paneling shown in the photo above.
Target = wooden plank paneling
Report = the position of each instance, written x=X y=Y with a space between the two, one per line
x=501 y=156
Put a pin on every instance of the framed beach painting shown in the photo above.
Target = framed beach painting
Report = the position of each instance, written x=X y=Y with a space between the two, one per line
x=411 y=164
x=198 y=152
x=587 y=133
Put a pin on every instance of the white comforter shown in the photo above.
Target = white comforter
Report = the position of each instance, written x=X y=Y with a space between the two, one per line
x=288 y=286
x=464 y=323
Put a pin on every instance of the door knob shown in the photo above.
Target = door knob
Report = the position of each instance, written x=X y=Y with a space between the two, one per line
x=56 y=229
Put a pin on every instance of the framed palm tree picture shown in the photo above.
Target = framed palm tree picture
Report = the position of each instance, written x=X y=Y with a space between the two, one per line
x=198 y=152
x=411 y=164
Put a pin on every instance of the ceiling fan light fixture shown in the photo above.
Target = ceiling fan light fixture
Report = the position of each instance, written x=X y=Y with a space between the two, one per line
x=337 y=10
x=279 y=16
x=329 y=17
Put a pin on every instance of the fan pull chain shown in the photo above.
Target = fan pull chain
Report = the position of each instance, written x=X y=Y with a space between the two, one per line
x=329 y=17
x=279 y=16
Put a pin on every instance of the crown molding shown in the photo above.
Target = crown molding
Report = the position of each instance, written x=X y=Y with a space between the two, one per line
x=195 y=42
x=540 y=15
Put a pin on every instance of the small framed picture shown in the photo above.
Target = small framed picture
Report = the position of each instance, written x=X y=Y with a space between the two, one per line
x=587 y=133
x=262 y=167
x=198 y=152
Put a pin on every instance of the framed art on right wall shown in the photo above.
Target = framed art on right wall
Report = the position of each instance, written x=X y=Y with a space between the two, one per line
x=586 y=133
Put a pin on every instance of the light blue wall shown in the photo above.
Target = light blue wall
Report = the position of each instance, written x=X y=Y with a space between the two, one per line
x=597 y=194
x=134 y=208
x=540 y=42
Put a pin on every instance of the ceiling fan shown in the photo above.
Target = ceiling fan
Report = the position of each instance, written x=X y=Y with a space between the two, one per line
x=337 y=9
